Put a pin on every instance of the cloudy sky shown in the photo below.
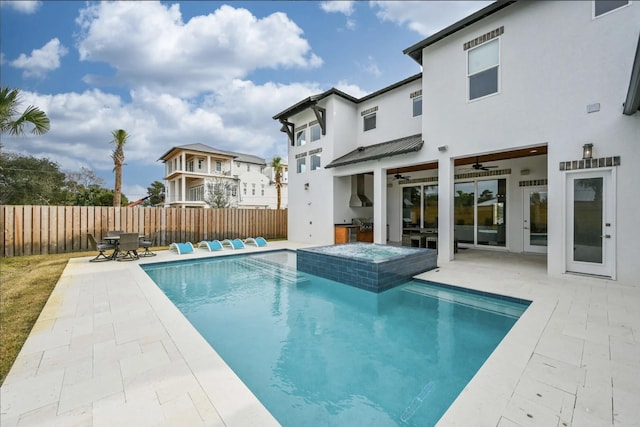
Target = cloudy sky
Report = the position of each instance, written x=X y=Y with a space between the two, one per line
x=174 y=73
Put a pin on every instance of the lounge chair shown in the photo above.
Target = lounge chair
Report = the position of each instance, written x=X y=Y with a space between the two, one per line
x=181 y=248
x=258 y=241
x=128 y=245
x=233 y=244
x=211 y=245
x=100 y=246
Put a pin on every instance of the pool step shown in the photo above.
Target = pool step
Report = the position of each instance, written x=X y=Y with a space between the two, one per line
x=281 y=272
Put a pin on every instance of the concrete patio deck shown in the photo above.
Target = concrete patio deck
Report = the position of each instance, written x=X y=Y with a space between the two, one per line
x=110 y=349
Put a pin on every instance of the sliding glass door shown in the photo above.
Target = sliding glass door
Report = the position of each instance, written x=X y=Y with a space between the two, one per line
x=419 y=210
x=480 y=212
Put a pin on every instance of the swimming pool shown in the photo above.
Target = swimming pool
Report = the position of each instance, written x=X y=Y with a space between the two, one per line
x=317 y=352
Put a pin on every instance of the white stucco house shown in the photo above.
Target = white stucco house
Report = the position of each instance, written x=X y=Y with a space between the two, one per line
x=193 y=170
x=521 y=133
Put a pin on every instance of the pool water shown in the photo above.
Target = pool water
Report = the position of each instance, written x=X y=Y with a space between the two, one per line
x=317 y=352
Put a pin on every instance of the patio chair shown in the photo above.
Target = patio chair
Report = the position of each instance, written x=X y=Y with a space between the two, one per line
x=146 y=244
x=233 y=244
x=128 y=247
x=181 y=248
x=100 y=246
x=258 y=241
x=211 y=245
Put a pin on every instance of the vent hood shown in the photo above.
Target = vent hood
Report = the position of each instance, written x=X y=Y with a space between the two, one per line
x=358 y=197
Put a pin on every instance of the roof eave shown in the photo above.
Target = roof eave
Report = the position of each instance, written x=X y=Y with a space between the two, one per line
x=632 y=103
x=415 y=51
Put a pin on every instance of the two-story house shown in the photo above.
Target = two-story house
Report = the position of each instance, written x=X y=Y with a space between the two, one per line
x=196 y=173
x=520 y=134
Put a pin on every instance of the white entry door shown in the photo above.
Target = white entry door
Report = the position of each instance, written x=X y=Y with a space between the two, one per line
x=590 y=222
x=535 y=219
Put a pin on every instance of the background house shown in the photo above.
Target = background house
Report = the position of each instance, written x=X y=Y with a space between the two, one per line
x=194 y=172
x=518 y=108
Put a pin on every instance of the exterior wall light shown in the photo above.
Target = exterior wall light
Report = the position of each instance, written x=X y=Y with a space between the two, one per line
x=587 y=151
x=306 y=185
x=443 y=148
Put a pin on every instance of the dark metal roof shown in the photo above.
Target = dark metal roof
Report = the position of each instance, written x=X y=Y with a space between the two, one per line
x=415 y=51
x=632 y=103
x=312 y=100
x=404 y=145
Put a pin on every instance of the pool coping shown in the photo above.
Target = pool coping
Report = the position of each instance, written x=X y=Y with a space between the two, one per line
x=109 y=346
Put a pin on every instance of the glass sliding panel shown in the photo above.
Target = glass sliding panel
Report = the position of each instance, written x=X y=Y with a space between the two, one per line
x=587 y=220
x=430 y=207
x=538 y=218
x=491 y=212
x=411 y=212
x=463 y=202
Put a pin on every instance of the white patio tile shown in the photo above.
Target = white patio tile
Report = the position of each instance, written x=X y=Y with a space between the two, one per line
x=25 y=395
x=86 y=392
x=110 y=349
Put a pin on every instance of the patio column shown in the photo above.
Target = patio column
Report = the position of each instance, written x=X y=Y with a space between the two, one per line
x=380 y=206
x=445 y=209
x=183 y=189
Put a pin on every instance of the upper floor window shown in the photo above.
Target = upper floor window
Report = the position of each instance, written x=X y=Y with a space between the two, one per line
x=200 y=163
x=369 y=122
x=482 y=69
x=600 y=7
x=417 y=106
x=314 y=130
x=300 y=138
x=218 y=166
x=316 y=161
x=248 y=168
x=301 y=164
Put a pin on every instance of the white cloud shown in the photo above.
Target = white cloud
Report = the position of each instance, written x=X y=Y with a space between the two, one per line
x=42 y=60
x=344 y=7
x=23 y=6
x=149 y=45
x=237 y=118
x=351 y=89
x=370 y=67
x=426 y=17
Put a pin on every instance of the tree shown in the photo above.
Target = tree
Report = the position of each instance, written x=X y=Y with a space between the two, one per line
x=278 y=167
x=9 y=123
x=120 y=137
x=27 y=180
x=219 y=193
x=156 y=194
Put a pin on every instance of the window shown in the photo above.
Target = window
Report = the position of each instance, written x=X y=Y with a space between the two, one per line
x=218 y=166
x=190 y=166
x=196 y=193
x=248 y=168
x=316 y=162
x=369 y=122
x=262 y=190
x=482 y=69
x=480 y=212
x=605 y=6
x=417 y=106
x=301 y=164
x=314 y=130
x=200 y=163
x=300 y=138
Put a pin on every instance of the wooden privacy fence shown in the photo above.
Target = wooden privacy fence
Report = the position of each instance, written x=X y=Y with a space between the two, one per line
x=32 y=230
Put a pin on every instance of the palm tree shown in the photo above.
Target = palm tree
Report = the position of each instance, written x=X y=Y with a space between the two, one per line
x=277 y=166
x=119 y=138
x=9 y=123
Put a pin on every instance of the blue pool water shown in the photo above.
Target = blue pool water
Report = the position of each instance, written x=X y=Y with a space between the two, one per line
x=317 y=352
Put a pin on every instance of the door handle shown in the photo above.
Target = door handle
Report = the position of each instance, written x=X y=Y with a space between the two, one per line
x=526 y=228
x=606 y=236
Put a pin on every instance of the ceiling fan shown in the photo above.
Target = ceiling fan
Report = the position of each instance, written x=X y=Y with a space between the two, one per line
x=399 y=176
x=478 y=166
